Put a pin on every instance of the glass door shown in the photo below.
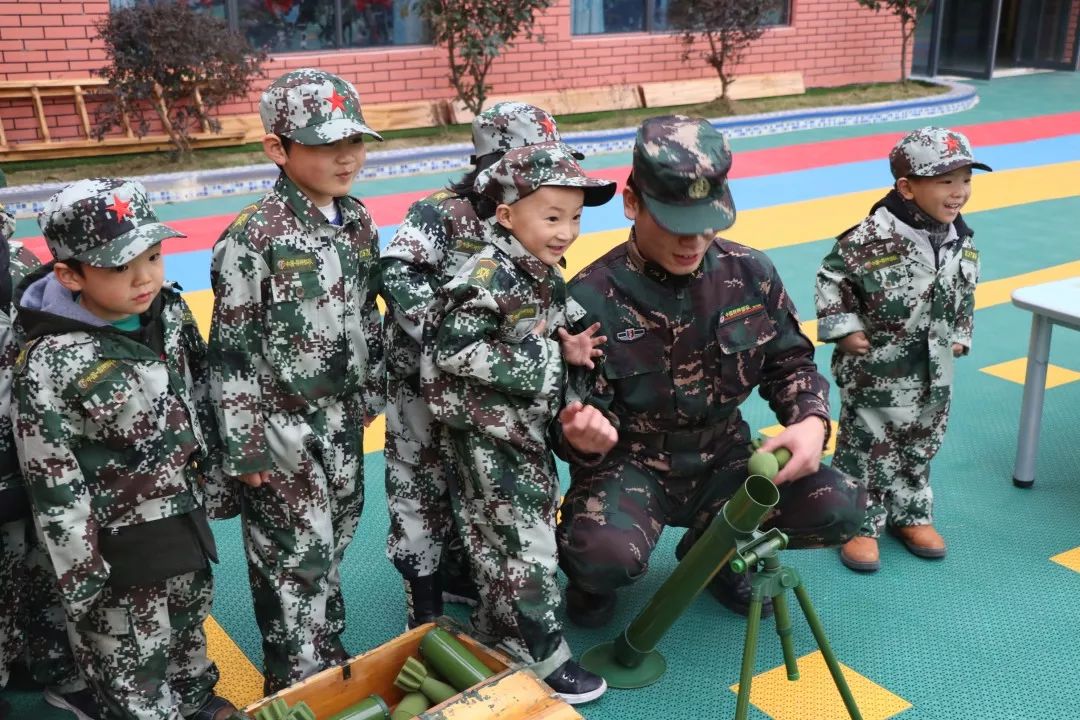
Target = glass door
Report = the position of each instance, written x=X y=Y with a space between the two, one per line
x=1047 y=34
x=969 y=30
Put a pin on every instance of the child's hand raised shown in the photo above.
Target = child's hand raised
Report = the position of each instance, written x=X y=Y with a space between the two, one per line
x=580 y=349
x=856 y=343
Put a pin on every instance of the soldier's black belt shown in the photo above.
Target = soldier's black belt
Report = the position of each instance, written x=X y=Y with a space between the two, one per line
x=682 y=440
x=157 y=550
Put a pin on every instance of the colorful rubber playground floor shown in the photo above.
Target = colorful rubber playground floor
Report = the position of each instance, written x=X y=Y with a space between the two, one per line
x=990 y=632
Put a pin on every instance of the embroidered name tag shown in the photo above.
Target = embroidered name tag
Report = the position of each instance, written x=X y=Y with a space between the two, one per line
x=96 y=374
x=741 y=311
x=630 y=334
x=883 y=261
x=469 y=245
x=526 y=312
x=301 y=263
x=971 y=254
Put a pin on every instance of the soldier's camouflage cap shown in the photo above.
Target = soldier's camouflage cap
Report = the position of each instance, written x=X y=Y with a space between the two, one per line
x=680 y=170
x=313 y=107
x=523 y=170
x=508 y=125
x=931 y=151
x=104 y=222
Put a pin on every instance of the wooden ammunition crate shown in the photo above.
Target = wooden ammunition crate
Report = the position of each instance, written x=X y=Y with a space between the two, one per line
x=513 y=692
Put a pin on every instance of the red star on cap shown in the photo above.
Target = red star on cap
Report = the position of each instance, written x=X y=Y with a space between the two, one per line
x=337 y=102
x=120 y=208
x=952 y=144
x=548 y=125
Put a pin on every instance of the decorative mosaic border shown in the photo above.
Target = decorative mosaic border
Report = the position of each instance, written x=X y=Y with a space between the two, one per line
x=28 y=200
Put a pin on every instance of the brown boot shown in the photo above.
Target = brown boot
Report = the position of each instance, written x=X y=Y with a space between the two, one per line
x=861 y=554
x=921 y=540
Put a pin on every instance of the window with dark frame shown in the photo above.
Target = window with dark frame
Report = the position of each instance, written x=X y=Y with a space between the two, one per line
x=286 y=26
x=602 y=17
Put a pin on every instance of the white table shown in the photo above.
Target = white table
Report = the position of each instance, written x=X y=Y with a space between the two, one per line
x=1053 y=303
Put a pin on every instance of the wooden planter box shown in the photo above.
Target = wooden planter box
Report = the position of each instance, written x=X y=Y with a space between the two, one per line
x=513 y=692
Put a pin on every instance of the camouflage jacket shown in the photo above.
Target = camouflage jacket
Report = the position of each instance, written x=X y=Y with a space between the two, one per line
x=881 y=278
x=482 y=367
x=437 y=236
x=21 y=262
x=295 y=322
x=683 y=352
x=109 y=431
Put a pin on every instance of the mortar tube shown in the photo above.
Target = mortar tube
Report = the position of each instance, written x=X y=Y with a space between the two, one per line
x=737 y=520
x=452 y=660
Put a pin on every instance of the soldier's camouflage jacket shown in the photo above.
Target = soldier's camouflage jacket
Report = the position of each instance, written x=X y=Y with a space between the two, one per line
x=295 y=323
x=683 y=352
x=882 y=278
x=110 y=432
x=21 y=262
x=482 y=367
x=432 y=243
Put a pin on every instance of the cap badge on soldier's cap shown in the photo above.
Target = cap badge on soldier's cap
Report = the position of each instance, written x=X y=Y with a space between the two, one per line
x=120 y=208
x=698 y=189
x=337 y=102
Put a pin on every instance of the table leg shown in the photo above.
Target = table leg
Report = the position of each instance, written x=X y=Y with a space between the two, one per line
x=1027 y=444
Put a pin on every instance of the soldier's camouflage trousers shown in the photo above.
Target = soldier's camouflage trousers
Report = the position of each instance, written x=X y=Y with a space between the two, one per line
x=505 y=501
x=297 y=526
x=32 y=622
x=889 y=450
x=613 y=515
x=143 y=648
x=417 y=495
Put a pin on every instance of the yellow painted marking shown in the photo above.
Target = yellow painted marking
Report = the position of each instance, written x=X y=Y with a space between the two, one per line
x=814 y=696
x=830 y=447
x=241 y=682
x=1016 y=370
x=1069 y=558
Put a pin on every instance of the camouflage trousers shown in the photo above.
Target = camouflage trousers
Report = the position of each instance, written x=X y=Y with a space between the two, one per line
x=505 y=501
x=613 y=515
x=417 y=495
x=297 y=526
x=143 y=648
x=889 y=450
x=32 y=621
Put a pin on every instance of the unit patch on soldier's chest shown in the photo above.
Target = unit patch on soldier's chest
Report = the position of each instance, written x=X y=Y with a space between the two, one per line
x=739 y=311
x=469 y=245
x=96 y=374
x=883 y=261
x=297 y=264
x=484 y=272
x=630 y=334
x=971 y=254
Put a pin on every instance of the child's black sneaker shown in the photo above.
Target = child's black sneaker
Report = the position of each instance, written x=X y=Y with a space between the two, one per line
x=574 y=684
x=81 y=703
x=733 y=590
x=589 y=610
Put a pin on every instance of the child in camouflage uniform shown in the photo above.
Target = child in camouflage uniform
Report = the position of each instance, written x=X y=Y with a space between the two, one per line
x=493 y=364
x=897 y=294
x=437 y=236
x=297 y=367
x=114 y=437
x=32 y=625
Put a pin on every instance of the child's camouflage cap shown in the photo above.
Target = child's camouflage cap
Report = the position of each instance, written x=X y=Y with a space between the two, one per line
x=931 y=151
x=680 y=170
x=7 y=223
x=313 y=107
x=508 y=125
x=104 y=222
x=523 y=170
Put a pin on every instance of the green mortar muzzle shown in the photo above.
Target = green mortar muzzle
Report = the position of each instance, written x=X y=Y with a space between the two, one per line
x=410 y=706
x=372 y=707
x=632 y=661
x=452 y=660
x=414 y=677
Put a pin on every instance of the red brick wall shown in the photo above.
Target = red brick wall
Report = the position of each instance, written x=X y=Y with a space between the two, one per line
x=833 y=42
x=1070 y=38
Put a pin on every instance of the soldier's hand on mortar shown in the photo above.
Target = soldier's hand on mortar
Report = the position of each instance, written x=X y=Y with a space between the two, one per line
x=587 y=429
x=580 y=349
x=957 y=349
x=804 y=440
x=254 y=479
x=856 y=343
